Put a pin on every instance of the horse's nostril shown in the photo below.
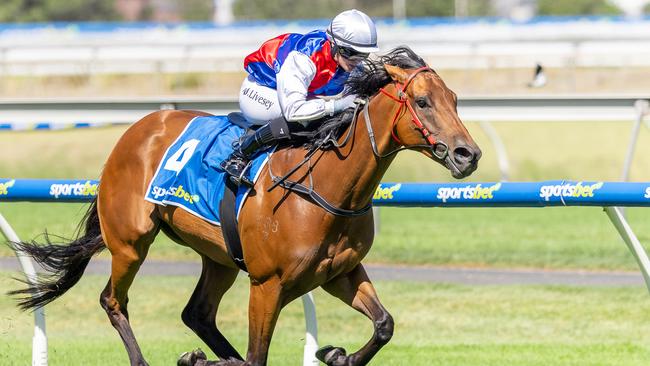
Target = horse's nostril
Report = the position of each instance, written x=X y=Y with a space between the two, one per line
x=463 y=154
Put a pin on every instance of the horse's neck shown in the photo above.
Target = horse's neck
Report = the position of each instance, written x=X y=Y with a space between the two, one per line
x=354 y=171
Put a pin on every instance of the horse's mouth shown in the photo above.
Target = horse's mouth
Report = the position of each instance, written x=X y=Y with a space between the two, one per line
x=456 y=172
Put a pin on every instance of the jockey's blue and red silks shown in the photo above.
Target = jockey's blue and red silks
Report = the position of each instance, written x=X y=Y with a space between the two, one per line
x=265 y=63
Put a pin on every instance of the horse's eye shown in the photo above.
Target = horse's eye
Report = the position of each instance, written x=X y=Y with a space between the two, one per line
x=422 y=102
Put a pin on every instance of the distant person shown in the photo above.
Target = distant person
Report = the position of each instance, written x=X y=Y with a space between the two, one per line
x=539 y=79
x=288 y=73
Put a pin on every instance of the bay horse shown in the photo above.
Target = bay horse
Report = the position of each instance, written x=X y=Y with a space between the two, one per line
x=290 y=244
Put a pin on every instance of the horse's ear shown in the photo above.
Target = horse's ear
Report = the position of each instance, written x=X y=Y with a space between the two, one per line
x=397 y=73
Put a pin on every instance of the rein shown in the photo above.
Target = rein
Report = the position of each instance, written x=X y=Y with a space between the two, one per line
x=290 y=185
x=402 y=98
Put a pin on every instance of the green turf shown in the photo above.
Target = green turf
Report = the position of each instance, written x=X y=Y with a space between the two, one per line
x=436 y=324
x=575 y=237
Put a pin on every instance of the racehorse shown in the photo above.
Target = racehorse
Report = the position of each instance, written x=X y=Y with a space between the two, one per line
x=407 y=106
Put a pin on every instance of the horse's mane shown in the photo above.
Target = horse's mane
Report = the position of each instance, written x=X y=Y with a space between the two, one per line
x=373 y=76
x=364 y=82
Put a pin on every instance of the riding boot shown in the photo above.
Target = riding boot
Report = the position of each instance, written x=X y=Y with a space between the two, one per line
x=237 y=164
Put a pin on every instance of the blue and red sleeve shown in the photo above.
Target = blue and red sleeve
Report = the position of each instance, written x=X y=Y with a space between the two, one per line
x=261 y=63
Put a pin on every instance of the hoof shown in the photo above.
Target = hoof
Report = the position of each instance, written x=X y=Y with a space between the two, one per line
x=190 y=358
x=332 y=356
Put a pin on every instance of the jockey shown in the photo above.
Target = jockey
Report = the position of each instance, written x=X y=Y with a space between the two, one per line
x=289 y=73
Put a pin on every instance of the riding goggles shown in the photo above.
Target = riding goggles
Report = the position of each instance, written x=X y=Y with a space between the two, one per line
x=350 y=53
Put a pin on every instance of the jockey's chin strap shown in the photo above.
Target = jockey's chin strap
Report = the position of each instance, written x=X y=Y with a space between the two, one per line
x=438 y=148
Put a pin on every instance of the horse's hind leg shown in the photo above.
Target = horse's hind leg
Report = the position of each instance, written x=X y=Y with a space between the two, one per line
x=355 y=289
x=200 y=312
x=128 y=239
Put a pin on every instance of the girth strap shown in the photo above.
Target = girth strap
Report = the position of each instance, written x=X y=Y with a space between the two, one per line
x=229 y=225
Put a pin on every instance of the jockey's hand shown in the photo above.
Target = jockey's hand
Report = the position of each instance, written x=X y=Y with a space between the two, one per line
x=344 y=103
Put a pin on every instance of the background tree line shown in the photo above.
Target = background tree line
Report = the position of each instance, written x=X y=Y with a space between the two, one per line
x=201 y=10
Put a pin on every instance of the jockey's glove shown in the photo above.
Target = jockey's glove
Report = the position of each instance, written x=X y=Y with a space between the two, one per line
x=337 y=105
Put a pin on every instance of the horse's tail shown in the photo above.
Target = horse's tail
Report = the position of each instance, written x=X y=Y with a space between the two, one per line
x=65 y=262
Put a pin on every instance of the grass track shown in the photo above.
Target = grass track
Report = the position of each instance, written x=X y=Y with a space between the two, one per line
x=436 y=324
x=576 y=237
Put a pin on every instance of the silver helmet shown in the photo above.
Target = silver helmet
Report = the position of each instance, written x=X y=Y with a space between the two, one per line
x=354 y=29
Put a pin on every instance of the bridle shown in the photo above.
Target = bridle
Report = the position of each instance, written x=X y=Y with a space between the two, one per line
x=402 y=98
x=438 y=148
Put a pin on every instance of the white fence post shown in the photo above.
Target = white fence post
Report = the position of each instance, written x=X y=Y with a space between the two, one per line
x=499 y=149
x=641 y=107
x=628 y=236
x=311 y=326
x=39 y=342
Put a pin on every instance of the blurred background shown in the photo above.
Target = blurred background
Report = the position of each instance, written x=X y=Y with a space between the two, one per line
x=162 y=47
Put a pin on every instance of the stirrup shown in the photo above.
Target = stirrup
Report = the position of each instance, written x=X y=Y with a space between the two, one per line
x=237 y=176
x=242 y=179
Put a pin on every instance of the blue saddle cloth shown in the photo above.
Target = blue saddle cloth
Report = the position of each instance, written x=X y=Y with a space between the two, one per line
x=189 y=175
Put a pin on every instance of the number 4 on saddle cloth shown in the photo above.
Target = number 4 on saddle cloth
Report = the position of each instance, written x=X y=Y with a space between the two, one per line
x=189 y=175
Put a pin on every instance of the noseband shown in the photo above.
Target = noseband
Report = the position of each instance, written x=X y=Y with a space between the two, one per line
x=438 y=148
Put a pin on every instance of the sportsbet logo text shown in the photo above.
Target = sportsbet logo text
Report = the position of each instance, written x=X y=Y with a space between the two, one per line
x=476 y=192
x=4 y=187
x=569 y=190
x=647 y=193
x=386 y=193
x=76 y=189
x=176 y=192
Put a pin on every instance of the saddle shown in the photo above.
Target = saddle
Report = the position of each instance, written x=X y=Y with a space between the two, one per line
x=237 y=118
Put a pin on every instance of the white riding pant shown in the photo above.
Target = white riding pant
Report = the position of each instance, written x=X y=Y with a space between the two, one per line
x=258 y=103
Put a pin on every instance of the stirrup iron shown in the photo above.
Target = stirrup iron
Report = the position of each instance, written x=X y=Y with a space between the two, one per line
x=242 y=178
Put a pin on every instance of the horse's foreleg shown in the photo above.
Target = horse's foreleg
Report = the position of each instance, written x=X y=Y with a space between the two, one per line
x=200 y=312
x=356 y=290
x=266 y=301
